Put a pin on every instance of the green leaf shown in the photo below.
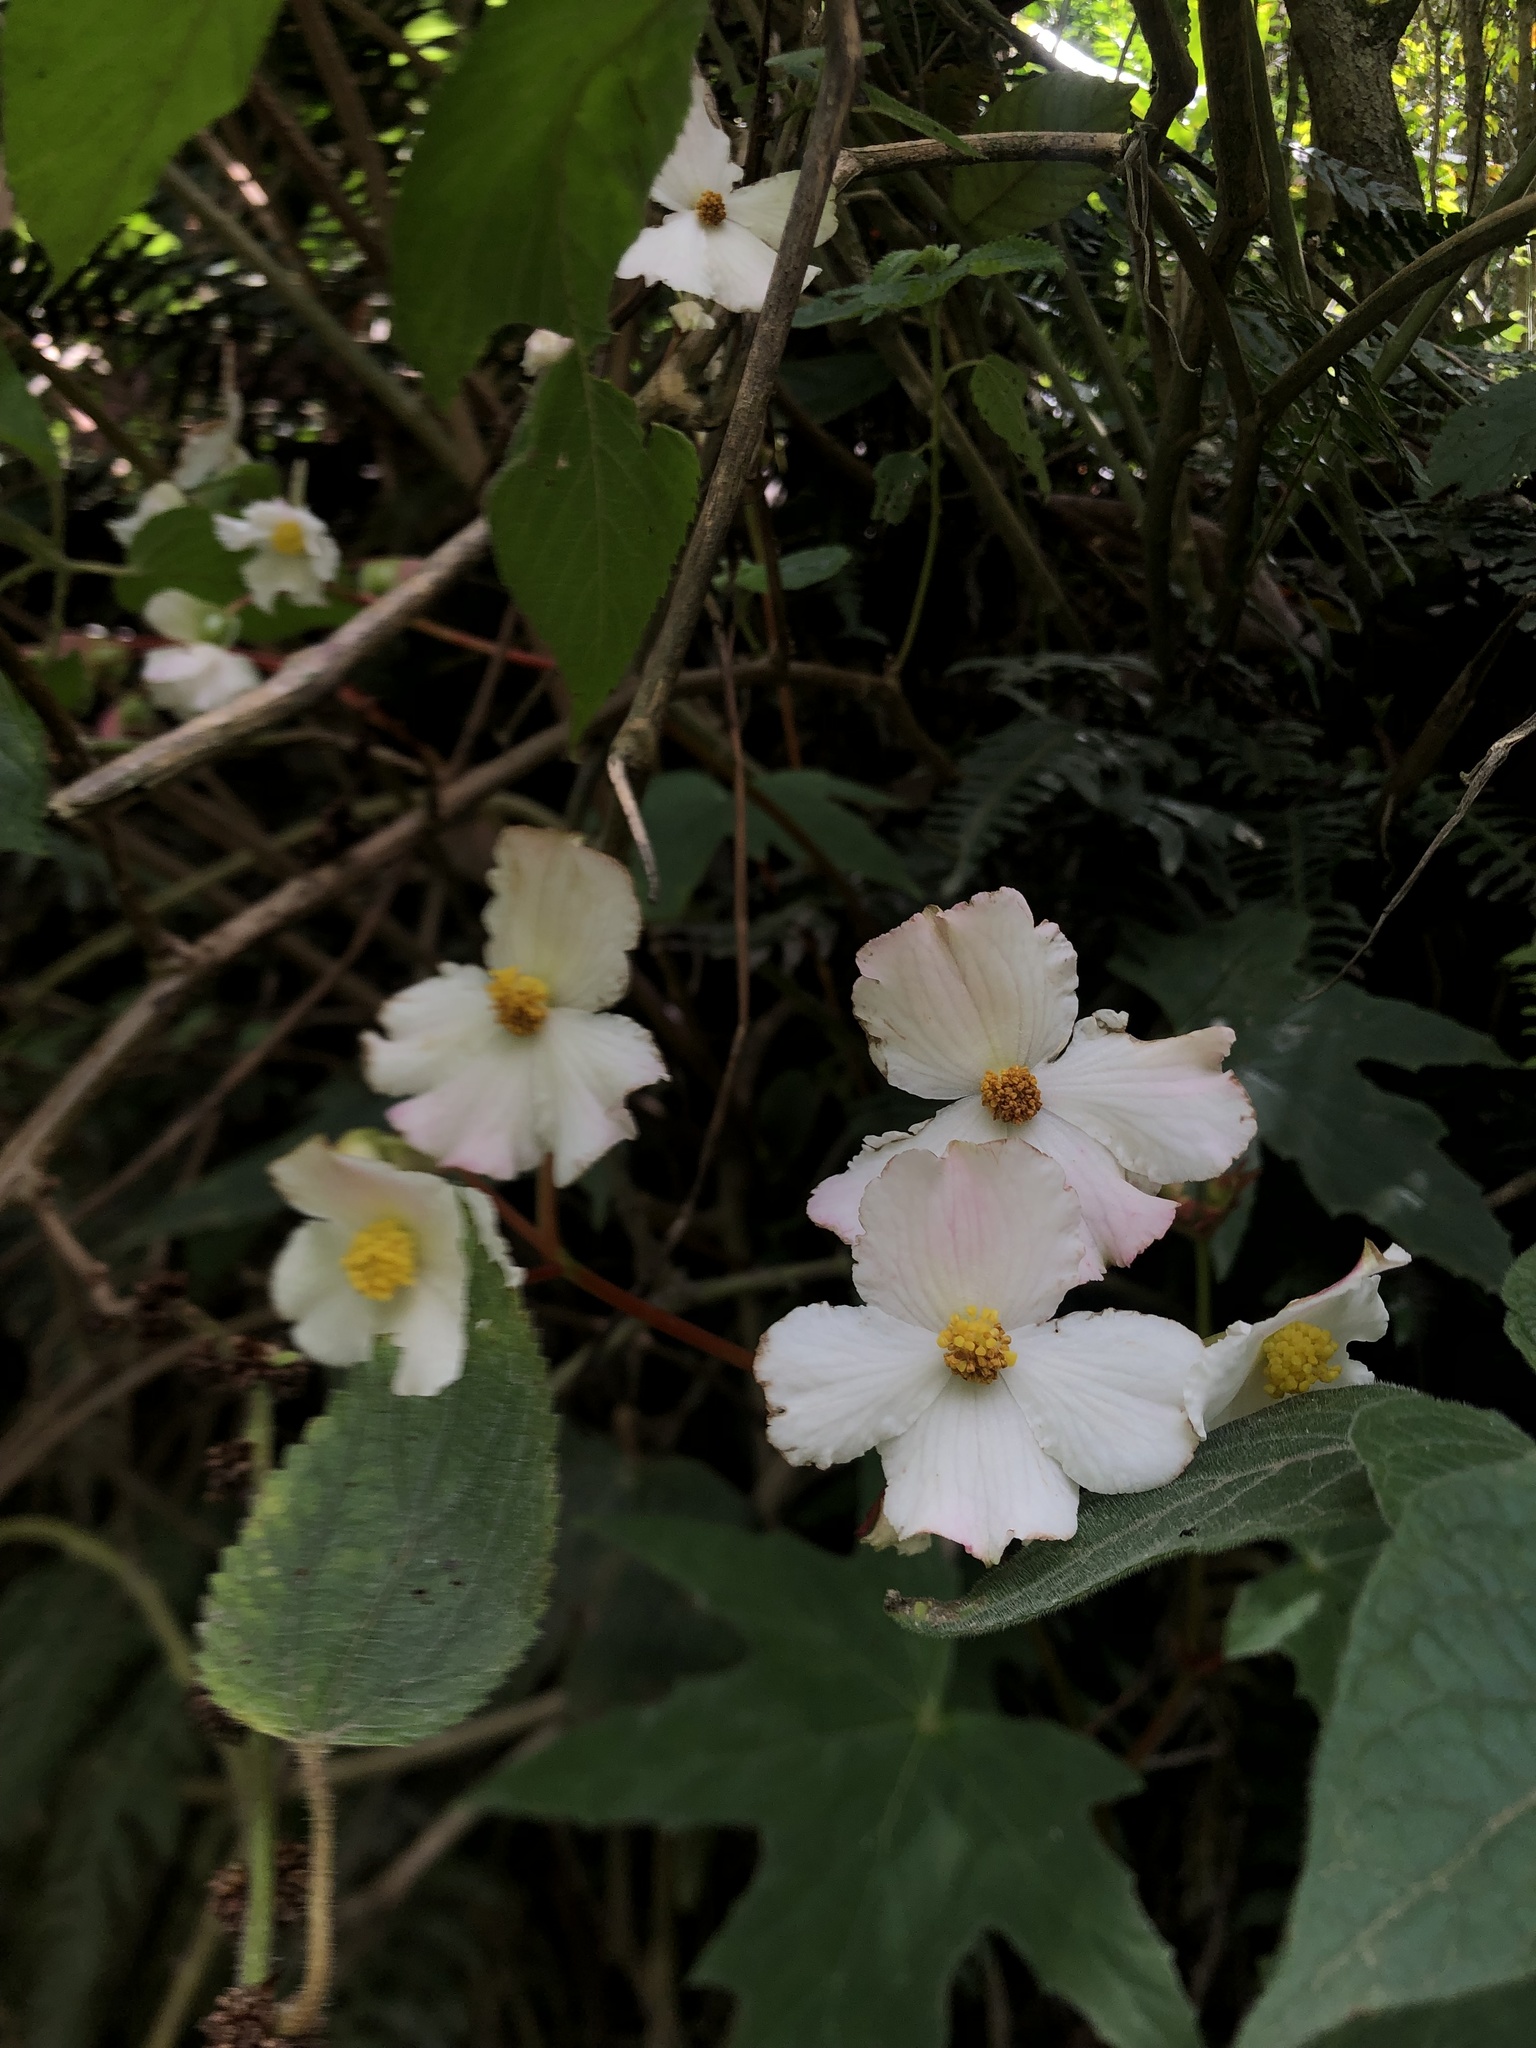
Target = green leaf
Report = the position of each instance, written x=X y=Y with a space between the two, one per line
x=894 y=1831
x=922 y=124
x=1004 y=199
x=1519 y=1293
x=23 y=423
x=910 y=278
x=179 y=550
x=1000 y=391
x=394 y=1568
x=1419 y=1881
x=1405 y=1444
x=801 y=569
x=66 y=678
x=1502 y=2018
x=531 y=178
x=23 y=774
x=586 y=520
x=826 y=387
x=1304 y=1608
x=1487 y=445
x=287 y=620
x=819 y=803
x=1288 y=1469
x=100 y=94
x=898 y=479
x=1361 y=1150
x=688 y=816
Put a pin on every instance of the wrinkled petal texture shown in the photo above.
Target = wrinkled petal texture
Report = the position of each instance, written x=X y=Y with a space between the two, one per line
x=1119 y=1220
x=1104 y=1394
x=840 y=1380
x=763 y=209
x=432 y=1029
x=700 y=160
x=970 y=1469
x=951 y=993
x=564 y=912
x=1162 y=1106
x=989 y=1226
x=727 y=263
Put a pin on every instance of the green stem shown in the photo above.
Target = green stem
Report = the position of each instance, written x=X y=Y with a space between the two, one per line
x=140 y=1588
x=306 y=2009
x=180 y=2000
x=260 y=1856
x=935 y=502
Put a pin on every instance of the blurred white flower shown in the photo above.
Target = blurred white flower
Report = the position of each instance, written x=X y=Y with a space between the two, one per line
x=212 y=449
x=715 y=242
x=294 y=552
x=1306 y=1346
x=543 y=349
x=200 y=673
x=977 y=1006
x=688 y=316
x=987 y=1415
x=510 y=1061
x=161 y=497
x=383 y=1256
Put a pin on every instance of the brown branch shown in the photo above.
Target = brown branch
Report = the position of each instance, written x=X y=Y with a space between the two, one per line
x=302 y=680
x=375 y=25
x=1174 y=77
x=293 y=138
x=1034 y=146
x=346 y=99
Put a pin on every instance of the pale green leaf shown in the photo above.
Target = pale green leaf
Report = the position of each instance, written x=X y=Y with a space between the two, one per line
x=23 y=423
x=23 y=774
x=586 y=519
x=898 y=479
x=1419 y=1882
x=531 y=178
x=100 y=94
x=393 y=1569
x=1004 y=199
x=1000 y=392
x=894 y=1830
x=1304 y=1608
x=1403 y=1445
x=1519 y=1292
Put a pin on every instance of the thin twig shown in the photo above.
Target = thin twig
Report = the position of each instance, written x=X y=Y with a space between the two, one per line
x=94 y=1275
x=305 y=2011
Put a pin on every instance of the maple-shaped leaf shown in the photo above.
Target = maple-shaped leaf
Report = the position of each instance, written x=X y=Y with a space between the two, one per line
x=895 y=1830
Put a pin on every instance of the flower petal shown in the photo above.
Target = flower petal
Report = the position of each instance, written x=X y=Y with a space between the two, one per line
x=482 y=1217
x=985 y=1226
x=428 y=1330
x=834 y=1202
x=562 y=911
x=763 y=208
x=838 y=1380
x=486 y=1116
x=589 y=1065
x=178 y=615
x=187 y=680
x=970 y=1469
x=1227 y=1379
x=951 y=993
x=161 y=497
x=331 y=1322
x=1119 y=1219
x=675 y=253
x=700 y=159
x=1104 y=1394
x=1163 y=1106
x=433 y=1028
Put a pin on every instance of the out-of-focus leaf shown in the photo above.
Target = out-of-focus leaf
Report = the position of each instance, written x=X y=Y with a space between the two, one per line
x=898 y=479
x=826 y=387
x=1419 y=1881
x=1360 y=1150
x=179 y=551
x=394 y=1567
x=586 y=519
x=1519 y=1293
x=919 y=122
x=801 y=569
x=100 y=94
x=1489 y=444
x=23 y=423
x=1404 y=1446
x=531 y=178
x=819 y=804
x=287 y=620
x=23 y=774
x=895 y=1830
x=1007 y=199
x=1304 y=1608
x=688 y=815
x=1000 y=390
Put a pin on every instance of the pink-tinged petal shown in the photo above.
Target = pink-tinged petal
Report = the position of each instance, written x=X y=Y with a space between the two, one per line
x=1163 y=1106
x=763 y=208
x=1104 y=1394
x=1227 y=1380
x=317 y=1180
x=588 y=1065
x=562 y=911
x=486 y=1117
x=985 y=1226
x=700 y=159
x=834 y=1202
x=952 y=993
x=839 y=1380
x=432 y=1030
x=1119 y=1219
x=427 y=1328
x=970 y=1469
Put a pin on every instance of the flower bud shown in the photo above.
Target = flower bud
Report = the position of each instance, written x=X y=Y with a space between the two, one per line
x=543 y=349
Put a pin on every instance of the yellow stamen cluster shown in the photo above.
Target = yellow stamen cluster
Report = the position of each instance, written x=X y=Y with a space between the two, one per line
x=287 y=538
x=1296 y=1360
x=1013 y=1095
x=710 y=208
x=381 y=1259
x=975 y=1344
x=521 y=1001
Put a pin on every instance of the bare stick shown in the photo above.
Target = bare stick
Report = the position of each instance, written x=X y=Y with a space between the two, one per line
x=301 y=681
x=1039 y=146
x=94 y=1275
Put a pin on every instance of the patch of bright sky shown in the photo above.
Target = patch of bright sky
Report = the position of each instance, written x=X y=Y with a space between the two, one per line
x=1100 y=37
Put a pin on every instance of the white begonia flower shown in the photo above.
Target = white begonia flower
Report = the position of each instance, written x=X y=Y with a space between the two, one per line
x=161 y=497
x=212 y=449
x=294 y=552
x=716 y=242
x=200 y=673
x=977 y=1006
x=987 y=1415
x=1305 y=1347
x=543 y=349
x=383 y=1256
x=510 y=1061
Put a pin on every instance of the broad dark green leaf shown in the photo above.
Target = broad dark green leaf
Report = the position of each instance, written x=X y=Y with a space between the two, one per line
x=1000 y=392
x=23 y=423
x=23 y=774
x=826 y=387
x=1304 y=1608
x=687 y=815
x=915 y=119
x=1419 y=1881
x=531 y=178
x=1006 y=199
x=800 y=569
x=394 y=1567
x=1361 y=1150
x=586 y=519
x=1288 y=1469
x=822 y=805
x=1519 y=1292
x=99 y=94
x=1502 y=2018
x=1403 y=1445
x=898 y=479
x=894 y=1830
x=1490 y=443
x=179 y=551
